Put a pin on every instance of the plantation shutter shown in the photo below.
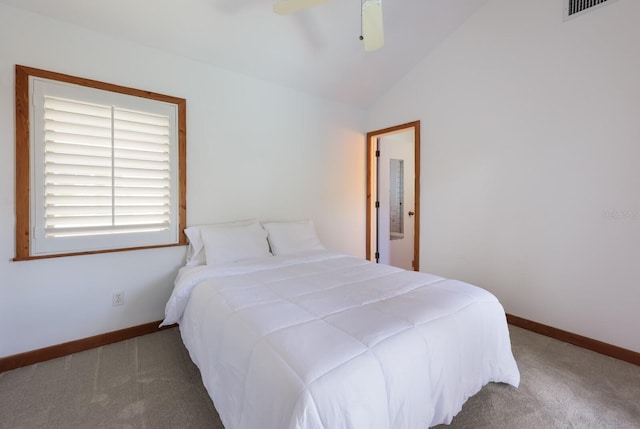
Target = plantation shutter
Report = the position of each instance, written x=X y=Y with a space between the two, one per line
x=106 y=170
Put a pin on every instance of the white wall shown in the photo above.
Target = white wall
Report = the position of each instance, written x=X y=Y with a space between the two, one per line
x=254 y=150
x=531 y=142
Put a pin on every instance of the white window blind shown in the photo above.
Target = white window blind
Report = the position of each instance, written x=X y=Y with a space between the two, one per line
x=104 y=170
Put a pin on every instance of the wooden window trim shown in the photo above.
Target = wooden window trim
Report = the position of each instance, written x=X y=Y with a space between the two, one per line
x=22 y=156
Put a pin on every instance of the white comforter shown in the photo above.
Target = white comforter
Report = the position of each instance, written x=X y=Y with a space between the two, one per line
x=331 y=341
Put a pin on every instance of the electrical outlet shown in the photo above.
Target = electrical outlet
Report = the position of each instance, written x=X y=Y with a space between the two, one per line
x=117 y=298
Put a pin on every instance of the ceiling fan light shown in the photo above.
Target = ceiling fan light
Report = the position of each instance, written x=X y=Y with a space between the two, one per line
x=372 y=29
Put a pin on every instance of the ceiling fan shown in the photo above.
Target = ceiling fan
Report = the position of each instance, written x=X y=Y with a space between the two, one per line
x=371 y=13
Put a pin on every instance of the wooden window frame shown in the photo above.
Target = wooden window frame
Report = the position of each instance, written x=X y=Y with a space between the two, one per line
x=23 y=157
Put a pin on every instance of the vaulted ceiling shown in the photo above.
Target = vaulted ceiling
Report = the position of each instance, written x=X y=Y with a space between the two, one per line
x=317 y=51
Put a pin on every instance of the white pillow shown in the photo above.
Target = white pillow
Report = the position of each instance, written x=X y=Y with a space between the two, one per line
x=287 y=238
x=195 y=252
x=234 y=243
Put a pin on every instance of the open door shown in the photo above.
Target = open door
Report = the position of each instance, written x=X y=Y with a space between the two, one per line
x=393 y=196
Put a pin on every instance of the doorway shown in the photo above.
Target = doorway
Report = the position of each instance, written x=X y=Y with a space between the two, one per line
x=393 y=196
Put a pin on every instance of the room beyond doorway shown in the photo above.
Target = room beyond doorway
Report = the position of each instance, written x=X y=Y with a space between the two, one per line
x=393 y=196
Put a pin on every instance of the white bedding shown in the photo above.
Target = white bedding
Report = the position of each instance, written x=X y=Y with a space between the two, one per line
x=325 y=340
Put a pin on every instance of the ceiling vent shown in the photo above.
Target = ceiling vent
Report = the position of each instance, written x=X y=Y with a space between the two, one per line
x=574 y=8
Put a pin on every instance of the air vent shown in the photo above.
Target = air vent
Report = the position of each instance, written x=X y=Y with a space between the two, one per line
x=574 y=8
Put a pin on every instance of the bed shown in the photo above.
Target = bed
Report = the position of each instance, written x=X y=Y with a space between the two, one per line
x=292 y=335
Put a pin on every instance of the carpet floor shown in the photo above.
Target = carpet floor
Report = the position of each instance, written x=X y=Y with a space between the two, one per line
x=150 y=382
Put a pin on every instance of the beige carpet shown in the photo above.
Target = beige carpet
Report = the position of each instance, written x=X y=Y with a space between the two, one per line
x=150 y=382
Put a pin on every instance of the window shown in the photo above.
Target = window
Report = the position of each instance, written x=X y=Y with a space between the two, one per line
x=99 y=167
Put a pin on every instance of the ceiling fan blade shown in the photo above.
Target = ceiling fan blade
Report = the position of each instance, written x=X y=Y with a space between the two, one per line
x=285 y=7
x=372 y=30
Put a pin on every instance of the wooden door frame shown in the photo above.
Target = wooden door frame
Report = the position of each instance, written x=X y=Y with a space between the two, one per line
x=371 y=137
